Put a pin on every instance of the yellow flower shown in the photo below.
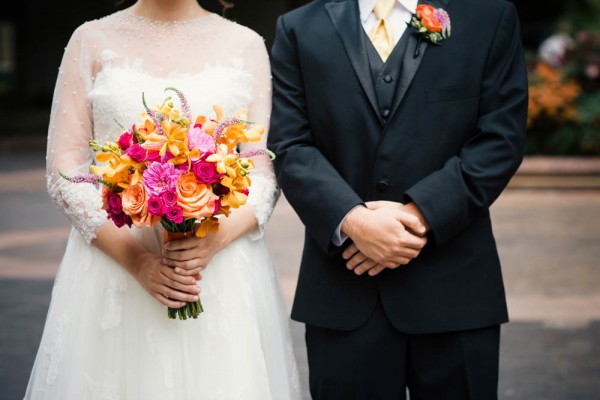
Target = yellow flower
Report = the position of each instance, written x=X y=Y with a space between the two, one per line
x=210 y=224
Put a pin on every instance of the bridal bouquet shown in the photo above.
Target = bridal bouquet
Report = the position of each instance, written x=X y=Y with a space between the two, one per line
x=181 y=171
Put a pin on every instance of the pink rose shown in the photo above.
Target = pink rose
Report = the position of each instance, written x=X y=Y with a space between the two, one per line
x=155 y=206
x=175 y=214
x=137 y=153
x=206 y=172
x=114 y=203
x=169 y=199
x=125 y=141
x=121 y=219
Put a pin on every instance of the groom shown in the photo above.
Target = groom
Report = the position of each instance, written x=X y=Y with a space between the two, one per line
x=391 y=149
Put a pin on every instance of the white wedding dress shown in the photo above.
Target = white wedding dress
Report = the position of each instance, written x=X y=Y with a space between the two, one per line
x=105 y=337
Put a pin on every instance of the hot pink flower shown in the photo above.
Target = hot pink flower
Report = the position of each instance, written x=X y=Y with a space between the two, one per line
x=160 y=178
x=155 y=206
x=114 y=202
x=125 y=141
x=153 y=156
x=137 y=153
x=206 y=172
x=169 y=199
x=175 y=214
x=121 y=219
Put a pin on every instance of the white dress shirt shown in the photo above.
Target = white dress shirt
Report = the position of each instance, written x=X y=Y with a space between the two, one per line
x=399 y=16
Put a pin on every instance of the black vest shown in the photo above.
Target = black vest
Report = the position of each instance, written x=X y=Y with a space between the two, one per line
x=386 y=75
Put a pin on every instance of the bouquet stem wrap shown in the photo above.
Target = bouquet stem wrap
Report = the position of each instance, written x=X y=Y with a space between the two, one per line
x=190 y=310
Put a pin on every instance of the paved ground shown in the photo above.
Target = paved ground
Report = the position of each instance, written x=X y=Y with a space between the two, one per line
x=549 y=246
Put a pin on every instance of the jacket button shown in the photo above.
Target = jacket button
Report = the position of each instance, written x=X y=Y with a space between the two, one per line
x=388 y=79
x=386 y=113
x=382 y=186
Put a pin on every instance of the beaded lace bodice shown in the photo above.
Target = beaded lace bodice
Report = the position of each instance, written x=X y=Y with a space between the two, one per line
x=107 y=65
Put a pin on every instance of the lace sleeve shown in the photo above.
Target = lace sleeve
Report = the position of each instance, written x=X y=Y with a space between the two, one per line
x=264 y=191
x=69 y=134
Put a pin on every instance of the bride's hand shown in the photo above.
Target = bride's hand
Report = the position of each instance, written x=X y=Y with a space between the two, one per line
x=161 y=281
x=191 y=256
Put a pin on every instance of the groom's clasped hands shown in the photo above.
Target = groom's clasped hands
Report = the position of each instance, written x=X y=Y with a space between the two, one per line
x=385 y=234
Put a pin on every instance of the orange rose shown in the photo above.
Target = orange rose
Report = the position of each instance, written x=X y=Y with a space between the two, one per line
x=425 y=11
x=432 y=24
x=426 y=14
x=135 y=204
x=197 y=200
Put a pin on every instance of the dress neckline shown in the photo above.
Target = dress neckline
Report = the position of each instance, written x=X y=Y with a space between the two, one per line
x=129 y=15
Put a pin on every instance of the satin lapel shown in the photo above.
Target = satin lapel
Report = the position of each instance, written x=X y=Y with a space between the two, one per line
x=346 y=20
x=410 y=63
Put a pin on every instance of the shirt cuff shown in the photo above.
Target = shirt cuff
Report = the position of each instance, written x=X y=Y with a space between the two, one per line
x=339 y=237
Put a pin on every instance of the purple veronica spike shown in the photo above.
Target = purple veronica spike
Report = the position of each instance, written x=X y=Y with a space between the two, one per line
x=87 y=178
x=156 y=118
x=441 y=15
x=227 y=123
x=257 y=152
x=185 y=106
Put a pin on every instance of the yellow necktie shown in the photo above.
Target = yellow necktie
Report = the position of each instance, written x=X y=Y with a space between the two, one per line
x=381 y=35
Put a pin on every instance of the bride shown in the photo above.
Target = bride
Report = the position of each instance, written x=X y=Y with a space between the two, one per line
x=107 y=335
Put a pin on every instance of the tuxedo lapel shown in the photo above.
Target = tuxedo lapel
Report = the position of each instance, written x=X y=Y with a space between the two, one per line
x=412 y=58
x=346 y=20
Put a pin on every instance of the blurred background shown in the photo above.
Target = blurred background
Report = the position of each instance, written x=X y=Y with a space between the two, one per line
x=561 y=38
x=547 y=223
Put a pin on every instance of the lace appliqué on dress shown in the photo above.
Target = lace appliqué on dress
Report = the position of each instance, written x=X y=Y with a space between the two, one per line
x=263 y=196
x=80 y=202
x=53 y=351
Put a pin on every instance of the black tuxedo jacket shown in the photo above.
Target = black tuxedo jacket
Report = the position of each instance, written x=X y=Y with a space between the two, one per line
x=451 y=142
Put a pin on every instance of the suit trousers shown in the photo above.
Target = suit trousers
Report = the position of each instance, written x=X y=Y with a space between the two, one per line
x=377 y=362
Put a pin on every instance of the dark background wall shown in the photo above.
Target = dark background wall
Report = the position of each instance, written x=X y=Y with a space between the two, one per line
x=37 y=30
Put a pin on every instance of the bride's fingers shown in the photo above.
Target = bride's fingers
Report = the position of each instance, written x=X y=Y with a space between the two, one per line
x=176 y=295
x=181 y=255
x=166 y=302
x=194 y=272
x=189 y=287
x=171 y=274
x=182 y=244
x=187 y=268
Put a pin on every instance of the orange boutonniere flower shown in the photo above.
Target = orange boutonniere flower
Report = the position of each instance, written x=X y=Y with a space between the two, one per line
x=431 y=23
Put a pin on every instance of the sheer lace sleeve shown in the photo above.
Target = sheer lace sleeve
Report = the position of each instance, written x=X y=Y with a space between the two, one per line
x=69 y=134
x=264 y=191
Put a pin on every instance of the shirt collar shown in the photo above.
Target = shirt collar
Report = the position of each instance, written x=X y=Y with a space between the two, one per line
x=366 y=7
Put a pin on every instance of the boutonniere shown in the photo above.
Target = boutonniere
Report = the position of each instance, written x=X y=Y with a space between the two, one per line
x=430 y=23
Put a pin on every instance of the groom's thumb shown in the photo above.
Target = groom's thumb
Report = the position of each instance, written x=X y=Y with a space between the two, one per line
x=411 y=222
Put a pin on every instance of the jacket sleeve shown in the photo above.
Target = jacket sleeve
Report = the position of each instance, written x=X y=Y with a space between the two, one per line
x=312 y=185
x=466 y=186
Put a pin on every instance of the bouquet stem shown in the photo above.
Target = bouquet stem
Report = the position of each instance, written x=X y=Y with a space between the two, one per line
x=193 y=309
